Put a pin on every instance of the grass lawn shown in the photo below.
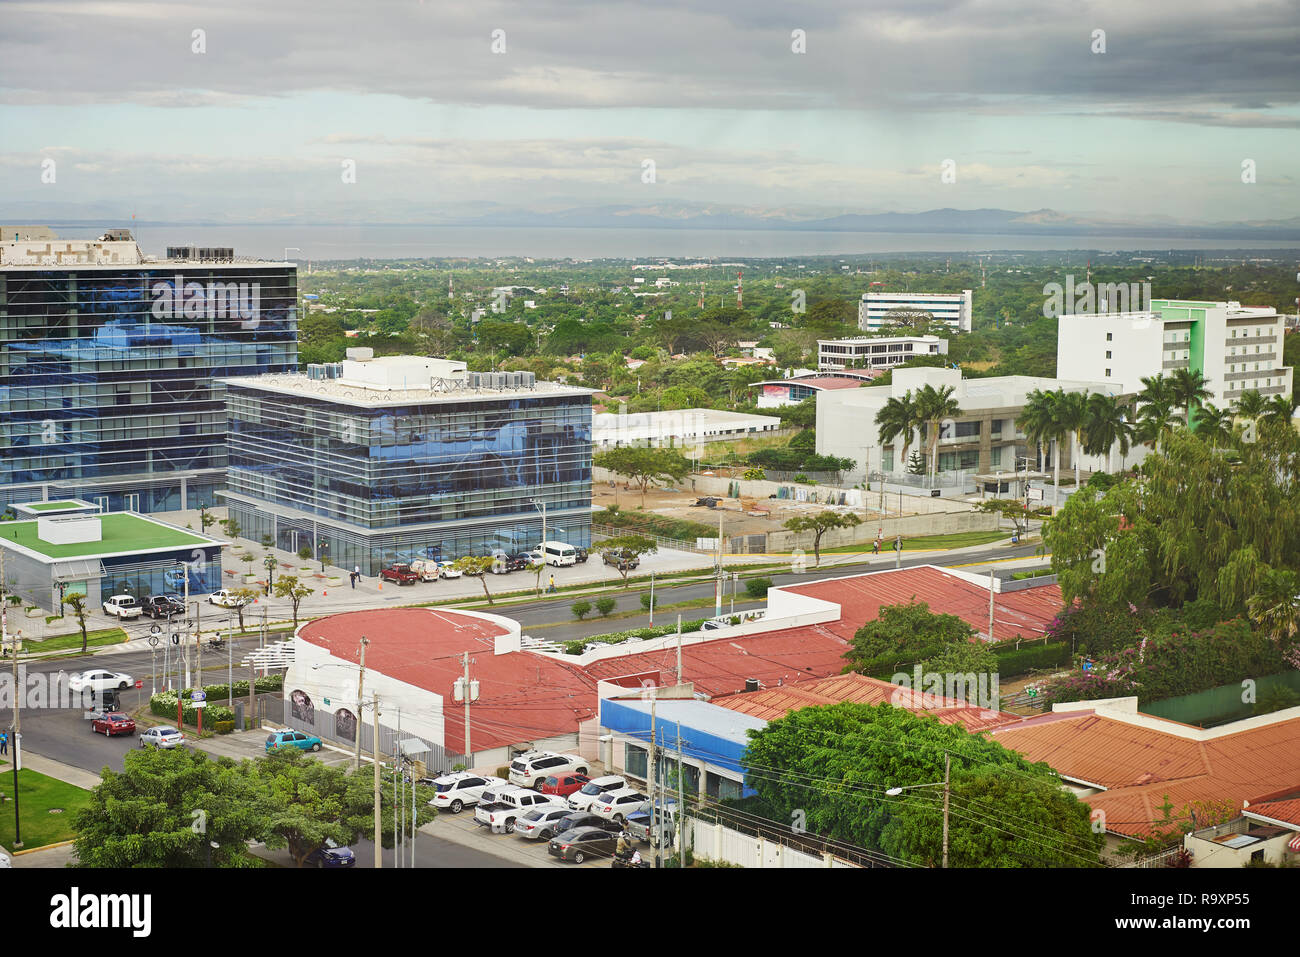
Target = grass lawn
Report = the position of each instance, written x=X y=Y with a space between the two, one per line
x=122 y=532
x=955 y=540
x=37 y=796
x=108 y=636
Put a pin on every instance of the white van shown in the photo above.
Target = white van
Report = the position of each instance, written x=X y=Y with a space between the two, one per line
x=555 y=553
x=426 y=568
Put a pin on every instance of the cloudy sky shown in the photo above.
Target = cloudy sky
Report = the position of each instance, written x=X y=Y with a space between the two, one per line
x=254 y=120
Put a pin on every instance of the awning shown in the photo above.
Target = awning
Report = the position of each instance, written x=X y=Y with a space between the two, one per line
x=1294 y=844
x=77 y=569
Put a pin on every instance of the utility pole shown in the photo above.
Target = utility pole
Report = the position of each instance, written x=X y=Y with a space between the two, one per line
x=681 y=803
x=679 y=647
x=198 y=635
x=656 y=840
x=379 y=826
x=717 y=590
x=361 y=680
x=652 y=599
x=18 y=724
x=468 y=692
x=947 y=766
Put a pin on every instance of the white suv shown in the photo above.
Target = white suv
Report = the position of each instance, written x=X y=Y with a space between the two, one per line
x=500 y=806
x=530 y=770
x=460 y=790
x=617 y=805
x=594 y=790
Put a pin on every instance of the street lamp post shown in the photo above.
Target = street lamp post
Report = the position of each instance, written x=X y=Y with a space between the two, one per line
x=947 y=791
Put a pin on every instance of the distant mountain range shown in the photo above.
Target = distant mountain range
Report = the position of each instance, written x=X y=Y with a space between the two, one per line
x=677 y=216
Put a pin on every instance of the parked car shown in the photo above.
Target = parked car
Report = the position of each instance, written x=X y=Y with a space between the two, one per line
x=507 y=804
x=225 y=598
x=616 y=805
x=162 y=736
x=114 y=722
x=620 y=559
x=638 y=823
x=446 y=571
x=399 y=572
x=562 y=785
x=594 y=789
x=503 y=562
x=123 y=606
x=292 y=739
x=162 y=606
x=582 y=843
x=98 y=681
x=581 y=555
x=460 y=790
x=331 y=855
x=576 y=819
x=426 y=568
x=539 y=823
x=530 y=770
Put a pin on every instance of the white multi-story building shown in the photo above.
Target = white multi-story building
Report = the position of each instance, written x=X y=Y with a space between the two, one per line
x=865 y=352
x=983 y=439
x=1237 y=348
x=953 y=308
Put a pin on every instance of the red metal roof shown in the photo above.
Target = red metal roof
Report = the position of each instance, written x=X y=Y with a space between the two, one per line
x=522 y=696
x=1147 y=771
x=1025 y=613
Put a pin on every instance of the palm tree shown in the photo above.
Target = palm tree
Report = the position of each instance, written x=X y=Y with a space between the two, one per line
x=1156 y=404
x=1281 y=408
x=1213 y=424
x=898 y=417
x=1249 y=405
x=1072 y=415
x=1107 y=424
x=1036 y=420
x=1275 y=607
x=1188 y=387
x=933 y=406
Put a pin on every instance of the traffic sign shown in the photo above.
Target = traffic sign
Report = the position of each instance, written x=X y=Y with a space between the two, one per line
x=139 y=683
x=154 y=629
x=153 y=641
x=199 y=695
x=199 y=704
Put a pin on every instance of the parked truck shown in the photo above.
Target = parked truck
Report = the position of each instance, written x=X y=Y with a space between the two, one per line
x=638 y=824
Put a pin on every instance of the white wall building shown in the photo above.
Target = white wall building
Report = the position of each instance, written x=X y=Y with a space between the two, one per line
x=675 y=428
x=1237 y=348
x=865 y=352
x=952 y=308
x=984 y=439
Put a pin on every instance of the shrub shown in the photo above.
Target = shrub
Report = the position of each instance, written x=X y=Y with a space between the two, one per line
x=580 y=609
x=617 y=637
x=1013 y=661
x=224 y=727
x=650 y=524
x=757 y=587
x=605 y=606
x=645 y=601
x=503 y=773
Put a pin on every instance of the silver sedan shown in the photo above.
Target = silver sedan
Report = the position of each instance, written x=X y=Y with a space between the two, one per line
x=162 y=736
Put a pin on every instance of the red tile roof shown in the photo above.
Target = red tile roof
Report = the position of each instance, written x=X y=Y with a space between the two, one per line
x=1141 y=767
x=1025 y=613
x=773 y=703
x=522 y=695
x=1285 y=812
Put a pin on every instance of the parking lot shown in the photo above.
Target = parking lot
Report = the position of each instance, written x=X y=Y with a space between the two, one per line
x=461 y=829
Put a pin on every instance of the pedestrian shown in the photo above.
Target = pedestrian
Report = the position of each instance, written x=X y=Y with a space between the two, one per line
x=551 y=586
x=4 y=742
x=353 y=577
x=876 y=548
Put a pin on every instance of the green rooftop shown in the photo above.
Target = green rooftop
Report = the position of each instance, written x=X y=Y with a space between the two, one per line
x=54 y=506
x=121 y=532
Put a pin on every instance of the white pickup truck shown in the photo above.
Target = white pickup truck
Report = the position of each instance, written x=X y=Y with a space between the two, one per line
x=499 y=807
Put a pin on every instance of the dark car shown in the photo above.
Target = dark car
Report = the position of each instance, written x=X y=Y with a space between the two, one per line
x=581 y=843
x=399 y=572
x=581 y=819
x=518 y=561
x=161 y=606
x=581 y=556
x=620 y=559
x=331 y=855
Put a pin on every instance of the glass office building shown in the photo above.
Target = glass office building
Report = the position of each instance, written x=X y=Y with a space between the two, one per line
x=372 y=461
x=109 y=366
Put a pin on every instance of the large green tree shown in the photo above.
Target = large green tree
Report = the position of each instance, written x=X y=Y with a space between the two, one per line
x=901 y=635
x=820 y=524
x=644 y=465
x=830 y=767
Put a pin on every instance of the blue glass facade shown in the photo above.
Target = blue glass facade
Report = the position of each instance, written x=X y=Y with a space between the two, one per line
x=438 y=479
x=107 y=376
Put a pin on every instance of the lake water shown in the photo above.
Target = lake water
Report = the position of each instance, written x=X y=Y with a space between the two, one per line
x=397 y=242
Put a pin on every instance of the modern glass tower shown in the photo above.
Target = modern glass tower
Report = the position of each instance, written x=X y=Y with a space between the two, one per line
x=371 y=461
x=109 y=364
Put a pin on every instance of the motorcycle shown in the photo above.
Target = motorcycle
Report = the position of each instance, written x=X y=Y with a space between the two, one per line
x=628 y=856
x=217 y=644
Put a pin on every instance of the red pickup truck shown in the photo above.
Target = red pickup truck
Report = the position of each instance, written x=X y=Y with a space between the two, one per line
x=400 y=573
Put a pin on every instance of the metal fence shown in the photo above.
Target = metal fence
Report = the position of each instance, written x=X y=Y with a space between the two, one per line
x=324 y=725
